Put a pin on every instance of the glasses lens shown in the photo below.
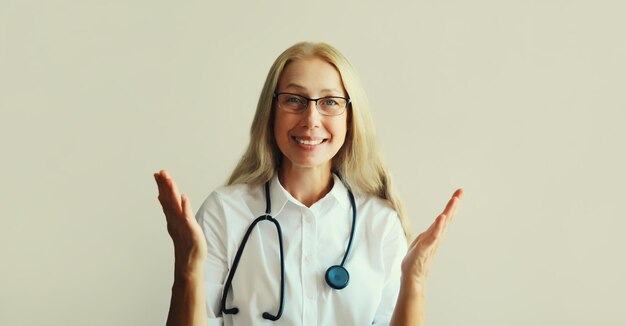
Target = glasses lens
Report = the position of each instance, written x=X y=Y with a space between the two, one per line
x=331 y=105
x=290 y=102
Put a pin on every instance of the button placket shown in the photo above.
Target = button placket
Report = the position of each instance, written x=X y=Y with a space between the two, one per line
x=309 y=270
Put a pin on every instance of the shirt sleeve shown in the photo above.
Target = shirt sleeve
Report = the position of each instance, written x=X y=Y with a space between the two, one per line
x=211 y=218
x=394 y=249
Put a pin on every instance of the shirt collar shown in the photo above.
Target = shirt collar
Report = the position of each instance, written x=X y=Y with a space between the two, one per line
x=280 y=196
x=340 y=192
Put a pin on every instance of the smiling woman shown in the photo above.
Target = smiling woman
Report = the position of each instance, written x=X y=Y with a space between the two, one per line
x=335 y=252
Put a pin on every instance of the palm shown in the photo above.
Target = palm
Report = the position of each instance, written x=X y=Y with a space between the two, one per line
x=416 y=263
x=189 y=242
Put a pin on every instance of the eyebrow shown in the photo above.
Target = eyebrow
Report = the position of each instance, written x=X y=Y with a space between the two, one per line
x=304 y=88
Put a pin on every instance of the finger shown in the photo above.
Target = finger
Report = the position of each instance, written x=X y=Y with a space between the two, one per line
x=168 y=194
x=172 y=185
x=160 y=178
x=163 y=195
x=450 y=209
x=423 y=235
x=458 y=194
x=428 y=243
x=159 y=181
x=187 y=211
x=432 y=234
x=440 y=227
x=171 y=192
x=452 y=205
x=431 y=228
x=415 y=241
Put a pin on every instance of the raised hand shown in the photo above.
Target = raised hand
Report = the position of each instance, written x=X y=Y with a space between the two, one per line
x=416 y=263
x=190 y=248
x=187 y=306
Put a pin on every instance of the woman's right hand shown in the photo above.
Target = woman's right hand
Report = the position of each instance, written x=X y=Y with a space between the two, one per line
x=190 y=247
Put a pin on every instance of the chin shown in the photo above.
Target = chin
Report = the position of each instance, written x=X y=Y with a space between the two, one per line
x=305 y=163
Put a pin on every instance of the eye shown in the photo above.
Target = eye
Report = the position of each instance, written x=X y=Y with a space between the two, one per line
x=329 y=102
x=292 y=99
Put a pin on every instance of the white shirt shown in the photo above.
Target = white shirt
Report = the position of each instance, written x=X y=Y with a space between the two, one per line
x=314 y=239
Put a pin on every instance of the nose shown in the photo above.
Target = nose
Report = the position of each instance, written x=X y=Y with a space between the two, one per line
x=311 y=117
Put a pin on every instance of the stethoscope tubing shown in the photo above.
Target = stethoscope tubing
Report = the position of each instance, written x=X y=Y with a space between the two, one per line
x=337 y=276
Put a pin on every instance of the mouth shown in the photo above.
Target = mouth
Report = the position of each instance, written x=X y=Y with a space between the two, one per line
x=309 y=141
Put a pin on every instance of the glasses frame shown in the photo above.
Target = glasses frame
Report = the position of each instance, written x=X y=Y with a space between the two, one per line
x=348 y=101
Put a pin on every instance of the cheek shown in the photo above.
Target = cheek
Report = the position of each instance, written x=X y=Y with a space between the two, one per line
x=281 y=125
x=340 y=129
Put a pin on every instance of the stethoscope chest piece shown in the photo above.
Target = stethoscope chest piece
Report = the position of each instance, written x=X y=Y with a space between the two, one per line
x=337 y=277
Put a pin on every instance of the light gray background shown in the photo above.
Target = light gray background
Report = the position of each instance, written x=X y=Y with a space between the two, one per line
x=519 y=102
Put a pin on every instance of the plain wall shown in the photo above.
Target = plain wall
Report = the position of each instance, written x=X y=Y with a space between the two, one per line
x=521 y=103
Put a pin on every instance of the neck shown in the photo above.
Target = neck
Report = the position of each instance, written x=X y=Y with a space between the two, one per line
x=307 y=185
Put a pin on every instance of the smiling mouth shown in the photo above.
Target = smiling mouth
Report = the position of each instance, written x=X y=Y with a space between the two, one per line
x=309 y=142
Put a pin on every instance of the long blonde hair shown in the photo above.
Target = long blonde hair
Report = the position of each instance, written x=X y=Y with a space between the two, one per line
x=358 y=161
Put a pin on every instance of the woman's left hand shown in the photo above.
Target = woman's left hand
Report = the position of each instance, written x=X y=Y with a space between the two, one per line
x=416 y=263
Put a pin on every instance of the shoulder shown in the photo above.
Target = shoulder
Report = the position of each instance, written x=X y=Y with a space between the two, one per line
x=228 y=210
x=377 y=215
x=374 y=203
x=382 y=230
x=236 y=191
x=237 y=198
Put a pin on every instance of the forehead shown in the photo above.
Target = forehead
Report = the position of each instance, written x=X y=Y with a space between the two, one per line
x=313 y=75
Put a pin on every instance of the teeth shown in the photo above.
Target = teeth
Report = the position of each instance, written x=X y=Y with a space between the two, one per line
x=309 y=142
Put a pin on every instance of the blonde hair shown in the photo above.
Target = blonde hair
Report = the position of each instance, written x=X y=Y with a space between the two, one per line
x=358 y=162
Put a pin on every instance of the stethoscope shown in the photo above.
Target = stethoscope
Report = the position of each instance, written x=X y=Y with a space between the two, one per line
x=337 y=276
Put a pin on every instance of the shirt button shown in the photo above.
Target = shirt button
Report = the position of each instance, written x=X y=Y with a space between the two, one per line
x=309 y=219
x=310 y=296
x=307 y=259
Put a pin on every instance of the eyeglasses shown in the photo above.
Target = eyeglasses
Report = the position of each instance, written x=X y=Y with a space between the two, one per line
x=329 y=105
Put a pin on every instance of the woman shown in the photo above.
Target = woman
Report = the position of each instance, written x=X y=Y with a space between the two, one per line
x=312 y=169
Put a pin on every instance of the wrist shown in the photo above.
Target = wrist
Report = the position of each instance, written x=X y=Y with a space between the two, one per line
x=414 y=285
x=188 y=272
